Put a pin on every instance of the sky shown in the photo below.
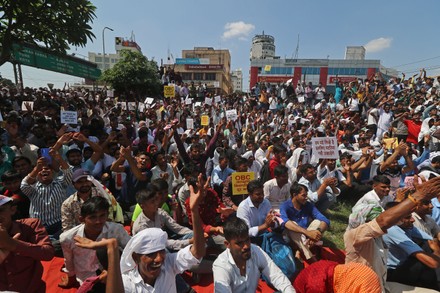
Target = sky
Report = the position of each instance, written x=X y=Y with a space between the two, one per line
x=402 y=34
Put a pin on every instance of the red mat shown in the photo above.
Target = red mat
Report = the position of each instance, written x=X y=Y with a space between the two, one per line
x=52 y=274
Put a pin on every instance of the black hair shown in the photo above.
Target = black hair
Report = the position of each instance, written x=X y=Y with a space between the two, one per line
x=296 y=188
x=146 y=194
x=381 y=179
x=241 y=161
x=303 y=169
x=278 y=149
x=280 y=170
x=253 y=185
x=94 y=205
x=436 y=159
x=10 y=175
x=235 y=228
x=143 y=132
x=159 y=184
x=189 y=169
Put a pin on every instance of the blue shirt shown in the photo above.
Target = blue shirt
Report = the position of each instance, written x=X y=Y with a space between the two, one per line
x=252 y=215
x=302 y=217
x=219 y=176
x=436 y=210
x=401 y=244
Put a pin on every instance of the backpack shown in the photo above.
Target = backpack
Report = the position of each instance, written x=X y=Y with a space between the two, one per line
x=265 y=173
x=280 y=252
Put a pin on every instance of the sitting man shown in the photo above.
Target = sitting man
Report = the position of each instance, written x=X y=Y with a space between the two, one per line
x=408 y=263
x=23 y=245
x=47 y=193
x=80 y=263
x=147 y=267
x=303 y=221
x=321 y=193
x=256 y=211
x=154 y=217
x=277 y=189
x=239 y=267
x=86 y=187
x=11 y=181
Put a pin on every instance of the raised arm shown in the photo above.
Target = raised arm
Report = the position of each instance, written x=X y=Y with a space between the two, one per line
x=198 y=248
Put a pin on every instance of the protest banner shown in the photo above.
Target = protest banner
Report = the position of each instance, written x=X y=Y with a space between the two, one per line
x=24 y=103
x=231 y=114
x=204 y=120
x=189 y=123
x=168 y=91
x=110 y=93
x=131 y=106
x=217 y=99
x=208 y=101
x=325 y=147
x=240 y=181
x=69 y=117
x=149 y=101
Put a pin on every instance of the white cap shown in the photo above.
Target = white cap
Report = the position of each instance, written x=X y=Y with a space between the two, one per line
x=145 y=242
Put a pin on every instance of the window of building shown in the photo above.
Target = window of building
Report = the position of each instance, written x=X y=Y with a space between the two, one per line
x=198 y=76
x=98 y=59
x=210 y=76
x=186 y=75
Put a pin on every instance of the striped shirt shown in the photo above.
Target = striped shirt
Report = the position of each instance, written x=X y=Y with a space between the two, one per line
x=46 y=200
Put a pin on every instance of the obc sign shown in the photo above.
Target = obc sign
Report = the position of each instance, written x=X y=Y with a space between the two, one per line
x=240 y=181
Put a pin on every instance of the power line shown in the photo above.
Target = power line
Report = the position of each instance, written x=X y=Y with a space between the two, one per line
x=415 y=62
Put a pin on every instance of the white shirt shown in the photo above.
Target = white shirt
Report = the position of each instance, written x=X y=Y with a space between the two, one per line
x=275 y=194
x=83 y=262
x=372 y=196
x=227 y=277
x=175 y=263
x=260 y=156
x=252 y=215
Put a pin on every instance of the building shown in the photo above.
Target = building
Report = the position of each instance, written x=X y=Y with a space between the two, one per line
x=113 y=58
x=355 y=53
x=237 y=80
x=354 y=66
x=263 y=47
x=208 y=66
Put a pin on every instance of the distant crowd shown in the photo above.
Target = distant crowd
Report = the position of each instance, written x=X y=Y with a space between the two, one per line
x=139 y=190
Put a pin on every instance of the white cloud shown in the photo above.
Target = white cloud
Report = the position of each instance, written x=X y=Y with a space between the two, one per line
x=377 y=45
x=237 y=29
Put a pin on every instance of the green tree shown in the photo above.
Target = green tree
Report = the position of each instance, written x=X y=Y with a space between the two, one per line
x=134 y=73
x=53 y=24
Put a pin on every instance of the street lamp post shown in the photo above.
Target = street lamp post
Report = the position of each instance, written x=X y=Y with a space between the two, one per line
x=103 y=46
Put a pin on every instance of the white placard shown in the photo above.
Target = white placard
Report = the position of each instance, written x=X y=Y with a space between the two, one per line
x=208 y=101
x=217 y=99
x=132 y=106
x=198 y=104
x=325 y=147
x=188 y=101
x=216 y=84
x=23 y=106
x=189 y=123
x=301 y=99
x=110 y=93
x=141 y=107
x=69 y=117
x=124 y=106
x=231 y=114
x=149 y=101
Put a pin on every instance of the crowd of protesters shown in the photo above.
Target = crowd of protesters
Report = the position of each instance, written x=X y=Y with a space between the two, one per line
x=155 y=167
